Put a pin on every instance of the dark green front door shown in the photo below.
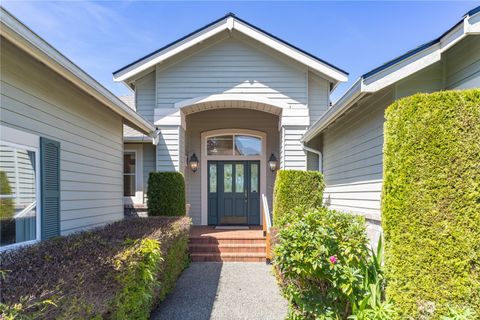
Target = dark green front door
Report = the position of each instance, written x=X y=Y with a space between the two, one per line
x=233 y=192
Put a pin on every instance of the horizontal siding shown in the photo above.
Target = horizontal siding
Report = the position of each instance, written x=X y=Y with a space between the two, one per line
x=353 y=157
x=168 y=149
x=36 y=100
x=318 y=97
x=231 y=66
x=424 y=81
x=148 y=162
x=145 y=96
x=293 y=155
x=463 y=64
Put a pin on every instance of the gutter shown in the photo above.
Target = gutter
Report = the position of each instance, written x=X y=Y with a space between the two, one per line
x=319 y=153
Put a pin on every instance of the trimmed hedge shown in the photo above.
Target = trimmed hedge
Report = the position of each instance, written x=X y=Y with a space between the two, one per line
x=295 y=188
x=166 y=194
x=431 y=203
x=120 y=271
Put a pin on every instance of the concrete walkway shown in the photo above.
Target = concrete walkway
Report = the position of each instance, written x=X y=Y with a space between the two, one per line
x=212 y=290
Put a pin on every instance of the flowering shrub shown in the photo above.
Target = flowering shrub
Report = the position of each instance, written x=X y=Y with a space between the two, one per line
x=320 y=259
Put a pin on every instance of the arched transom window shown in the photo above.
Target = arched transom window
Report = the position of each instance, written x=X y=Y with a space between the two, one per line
x=234 y=145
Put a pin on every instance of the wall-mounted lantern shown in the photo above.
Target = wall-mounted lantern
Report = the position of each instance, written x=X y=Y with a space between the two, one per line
x=193 y=162
x=272 y=163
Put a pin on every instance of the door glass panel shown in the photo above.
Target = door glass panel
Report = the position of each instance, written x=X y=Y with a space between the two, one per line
x=213 y=178
x=220 y=145
x=248 y=146
x=227 y=177
x=239 y=177
x=18 y=194
x=254 y=177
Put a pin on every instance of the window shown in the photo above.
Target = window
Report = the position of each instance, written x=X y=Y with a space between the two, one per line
x=18 y=194
x=129 y=178
x=229 y=145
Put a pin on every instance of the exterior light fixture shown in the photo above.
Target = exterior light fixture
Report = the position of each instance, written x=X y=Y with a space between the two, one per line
x=193 y=163
x=272 y=163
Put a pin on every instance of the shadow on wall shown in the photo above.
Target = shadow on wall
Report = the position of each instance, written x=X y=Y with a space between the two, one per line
x=163 y=156
x=192 y=302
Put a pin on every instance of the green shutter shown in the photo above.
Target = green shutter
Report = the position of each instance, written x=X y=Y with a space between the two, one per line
x=50 y=187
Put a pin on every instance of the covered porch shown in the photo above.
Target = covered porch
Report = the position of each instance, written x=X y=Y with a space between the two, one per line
x=228 y=146
x=223 y=145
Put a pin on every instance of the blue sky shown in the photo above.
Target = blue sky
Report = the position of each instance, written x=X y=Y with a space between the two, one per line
x=101 y=37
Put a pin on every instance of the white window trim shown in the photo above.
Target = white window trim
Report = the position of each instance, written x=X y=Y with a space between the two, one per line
x=38 y=208
x=204 y=158
x=138 y=197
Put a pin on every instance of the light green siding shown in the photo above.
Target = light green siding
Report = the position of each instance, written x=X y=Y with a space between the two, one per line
x=463 y=64
x=37 y=100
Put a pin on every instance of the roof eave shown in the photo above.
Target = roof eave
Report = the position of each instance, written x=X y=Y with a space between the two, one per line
x=230 y=23
x=24 y=38
x=366 y=84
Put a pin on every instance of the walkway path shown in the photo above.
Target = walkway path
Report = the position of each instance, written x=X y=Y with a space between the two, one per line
x=227 y=291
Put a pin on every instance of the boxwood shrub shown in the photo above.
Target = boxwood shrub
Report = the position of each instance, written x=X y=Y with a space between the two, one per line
x=431 y=203
x=120 y=271
x=295 y=188
x=166 y=194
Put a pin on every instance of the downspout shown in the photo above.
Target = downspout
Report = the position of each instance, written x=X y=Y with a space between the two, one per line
x=318 y=152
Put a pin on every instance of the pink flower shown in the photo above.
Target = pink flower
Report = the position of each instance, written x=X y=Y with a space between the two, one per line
x=333 y=259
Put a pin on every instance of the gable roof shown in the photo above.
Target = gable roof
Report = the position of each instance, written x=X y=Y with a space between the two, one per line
x=397 y=69
x=21 y=36
x=231 y=22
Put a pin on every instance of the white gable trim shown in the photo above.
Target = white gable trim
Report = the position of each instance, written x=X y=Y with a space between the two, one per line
x=228 y=24
x=169 y=52
x=396 y=72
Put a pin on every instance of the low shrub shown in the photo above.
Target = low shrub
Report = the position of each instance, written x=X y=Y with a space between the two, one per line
x=431 y=203
x=295 y=188
x=120 y=271
x=325 y=269
x=166 y=194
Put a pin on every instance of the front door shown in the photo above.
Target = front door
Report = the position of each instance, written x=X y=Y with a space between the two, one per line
x=233 y=192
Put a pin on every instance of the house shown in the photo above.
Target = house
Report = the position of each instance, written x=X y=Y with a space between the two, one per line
x=231 y=102
x=350 y=133
x=61 y=146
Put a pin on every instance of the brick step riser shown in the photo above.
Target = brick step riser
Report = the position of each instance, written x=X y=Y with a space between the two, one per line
x=214 y=241
x=226 y=259
x=217 y=249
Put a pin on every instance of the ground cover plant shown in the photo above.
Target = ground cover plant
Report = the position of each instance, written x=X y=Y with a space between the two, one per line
x=166 y=194
x=120 y=271
x=431 y=205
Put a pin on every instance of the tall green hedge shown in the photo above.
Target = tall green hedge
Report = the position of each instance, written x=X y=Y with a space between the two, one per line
x=166 y=194
x=295 y=188
x=431 y=203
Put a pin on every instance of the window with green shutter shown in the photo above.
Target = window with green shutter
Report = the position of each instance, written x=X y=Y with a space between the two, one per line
x=50 y=187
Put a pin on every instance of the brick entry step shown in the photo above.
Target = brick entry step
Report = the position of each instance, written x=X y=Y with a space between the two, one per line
x=209 y=244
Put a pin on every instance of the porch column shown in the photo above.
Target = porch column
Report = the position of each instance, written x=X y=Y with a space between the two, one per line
x=171 y=141
x=293 y=124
